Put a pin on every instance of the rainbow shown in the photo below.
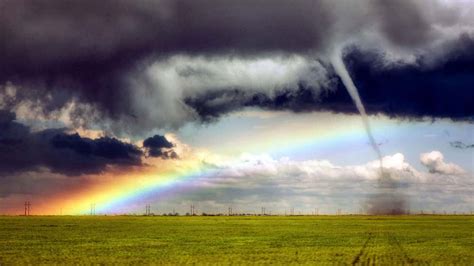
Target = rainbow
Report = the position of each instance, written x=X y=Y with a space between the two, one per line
x=111 y=197
x=108 y=197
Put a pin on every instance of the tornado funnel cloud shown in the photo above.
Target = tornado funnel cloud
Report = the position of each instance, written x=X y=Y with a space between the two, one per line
x=341 y=70
x=387 y=199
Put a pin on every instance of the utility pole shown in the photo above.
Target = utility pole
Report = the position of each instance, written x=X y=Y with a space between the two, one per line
x=93 y=209
x=263 y=211
x=27 y=208
x=230 y=211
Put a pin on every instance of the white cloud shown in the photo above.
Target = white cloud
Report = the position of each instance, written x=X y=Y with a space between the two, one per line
x=260 y=180
x=159 y=93
x=435 y=163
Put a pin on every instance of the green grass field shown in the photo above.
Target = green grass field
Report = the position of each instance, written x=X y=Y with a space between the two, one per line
x=439 y=240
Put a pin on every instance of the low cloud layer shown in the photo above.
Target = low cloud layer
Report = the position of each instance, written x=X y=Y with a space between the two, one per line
x=256 y=181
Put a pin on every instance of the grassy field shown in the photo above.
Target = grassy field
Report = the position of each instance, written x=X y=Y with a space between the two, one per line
x=439 y=240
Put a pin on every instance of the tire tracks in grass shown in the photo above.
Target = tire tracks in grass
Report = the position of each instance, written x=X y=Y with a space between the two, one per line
x=363 y=250
x=396 y=255
x=395 y=243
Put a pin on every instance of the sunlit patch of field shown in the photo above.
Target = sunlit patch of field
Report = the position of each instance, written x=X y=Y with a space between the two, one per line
x=364 y=240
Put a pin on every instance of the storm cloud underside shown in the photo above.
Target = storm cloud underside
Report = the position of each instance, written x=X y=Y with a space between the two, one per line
x=96 y=61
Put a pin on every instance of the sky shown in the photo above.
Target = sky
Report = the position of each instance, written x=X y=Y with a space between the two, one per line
x=315 y=106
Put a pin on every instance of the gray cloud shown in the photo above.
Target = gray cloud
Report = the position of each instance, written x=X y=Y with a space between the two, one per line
x=403 y=22
x=22 y=150
x=98 y=54
x=159 y=146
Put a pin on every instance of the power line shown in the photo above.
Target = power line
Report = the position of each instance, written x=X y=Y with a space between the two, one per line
x=27 y=208
x=93 y=209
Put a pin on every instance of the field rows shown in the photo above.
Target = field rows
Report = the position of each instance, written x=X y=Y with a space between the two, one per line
x=357 y=240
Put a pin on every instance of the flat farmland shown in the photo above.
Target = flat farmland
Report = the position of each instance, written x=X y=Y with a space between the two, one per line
x=285 y=240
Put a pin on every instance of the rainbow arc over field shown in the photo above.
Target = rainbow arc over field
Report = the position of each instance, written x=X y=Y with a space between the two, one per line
x=111 y=196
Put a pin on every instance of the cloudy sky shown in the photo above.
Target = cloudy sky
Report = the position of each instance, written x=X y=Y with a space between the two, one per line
x=243 y=104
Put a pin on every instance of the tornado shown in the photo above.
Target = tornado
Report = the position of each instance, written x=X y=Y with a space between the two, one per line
x=386 y=199
x=341 y=70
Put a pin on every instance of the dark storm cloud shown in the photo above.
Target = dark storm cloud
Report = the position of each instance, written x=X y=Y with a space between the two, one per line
x=159 y=146
x=444 y=90
x=84 y=49
x=402 y=22
x=251 y=26
x=157 y=141
x=108 y=148
x=461 y=145
x=62 y=34
x=95 y=52
x=303 y=99
x=24 y=150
